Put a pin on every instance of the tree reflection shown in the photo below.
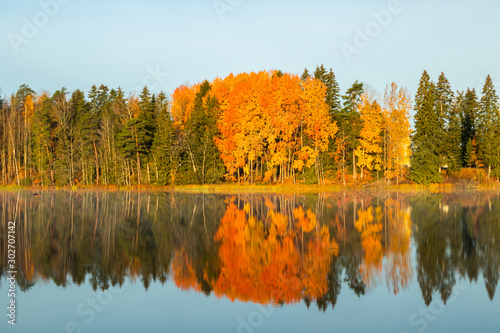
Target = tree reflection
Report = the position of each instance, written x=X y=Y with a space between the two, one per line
x=266 y=261
x=269 y=249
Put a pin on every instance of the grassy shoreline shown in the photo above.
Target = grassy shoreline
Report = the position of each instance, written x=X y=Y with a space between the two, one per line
x=257 y=188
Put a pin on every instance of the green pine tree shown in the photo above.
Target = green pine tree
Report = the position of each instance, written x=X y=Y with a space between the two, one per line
x=163 y=150
x=469 y=112
x=426 y=161
x=352 y=98
x=468 y=156
x=85 y=126
x=454 y=134
x=42 y=126
x=198 y=139
x=332 y=93
x=65 y=139
x=136 y=137
x=349 y=122
x=305 y=75
x=488 y=137
x=449 y=125
x=332 y=98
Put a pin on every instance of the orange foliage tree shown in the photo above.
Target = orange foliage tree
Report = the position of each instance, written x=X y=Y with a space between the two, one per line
x=369 y=151
x=273 y=120
x=397 y=131
x=182 y=103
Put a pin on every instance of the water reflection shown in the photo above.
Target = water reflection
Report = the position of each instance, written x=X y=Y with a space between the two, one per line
x=267 y=249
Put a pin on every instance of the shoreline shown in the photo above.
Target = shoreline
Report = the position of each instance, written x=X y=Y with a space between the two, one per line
x=255 y=188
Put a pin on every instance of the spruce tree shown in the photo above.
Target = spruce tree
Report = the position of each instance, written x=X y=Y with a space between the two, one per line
x=352 y=98
x=65 y=139
x=332 y=93
x=42 y=126
x=488 y=137
x=468 y=116
x=305 y=75
x=332 y=97
x=453 y=134
x=163 y=144
x=99 y=103
x=198 y=140
x=83 y=122
x=147 y=119
x=349 y=121
x=117 y=113
x=469 y=154
x=426 y=162
x=136 y=137
x=320 y=73
x=444 y=110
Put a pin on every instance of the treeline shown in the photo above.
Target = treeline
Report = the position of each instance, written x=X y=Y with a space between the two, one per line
x=259 y=127
x=454 y=130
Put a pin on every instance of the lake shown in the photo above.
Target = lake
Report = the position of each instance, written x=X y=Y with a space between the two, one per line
x=97 y=261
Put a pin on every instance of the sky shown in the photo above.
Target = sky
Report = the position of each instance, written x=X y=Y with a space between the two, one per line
x=49 y=44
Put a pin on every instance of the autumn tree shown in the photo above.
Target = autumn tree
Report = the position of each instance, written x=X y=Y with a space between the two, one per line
x=319 y=127
x=369 y=151
x=182 y=104
x=397 y=131
x=277 y=121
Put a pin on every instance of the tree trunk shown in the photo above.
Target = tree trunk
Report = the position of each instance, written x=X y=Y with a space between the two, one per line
x=96 y=159
x=138 y=169
x=354 y=174
x=15 y=162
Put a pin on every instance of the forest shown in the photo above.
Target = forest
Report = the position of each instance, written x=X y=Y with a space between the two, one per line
x=265 y=127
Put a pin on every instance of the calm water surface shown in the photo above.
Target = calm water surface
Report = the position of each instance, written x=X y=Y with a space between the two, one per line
x=331 y=262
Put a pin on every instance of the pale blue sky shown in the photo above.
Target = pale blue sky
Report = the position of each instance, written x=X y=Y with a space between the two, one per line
x=118 y=43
